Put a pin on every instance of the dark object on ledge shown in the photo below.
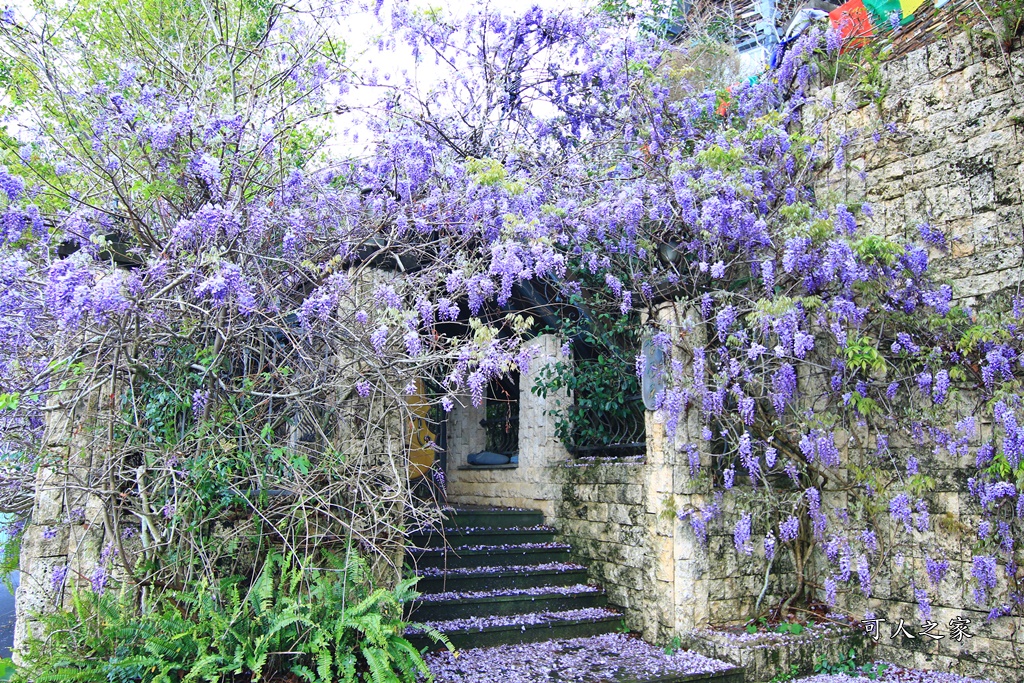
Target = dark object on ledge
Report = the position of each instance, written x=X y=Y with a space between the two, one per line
x=487 y=458
x=117 y=248
x=378 y=252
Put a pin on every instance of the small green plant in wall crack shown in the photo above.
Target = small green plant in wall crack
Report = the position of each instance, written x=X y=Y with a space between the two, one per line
x=848 y=665
x=762 y=625
x=789 y=675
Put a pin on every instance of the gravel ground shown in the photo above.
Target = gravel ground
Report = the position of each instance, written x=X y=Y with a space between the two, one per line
x=599 y=659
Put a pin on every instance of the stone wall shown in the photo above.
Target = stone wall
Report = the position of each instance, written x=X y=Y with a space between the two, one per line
x=533 y=484
x=62 y=543
x=603 y=514
x=955 y=162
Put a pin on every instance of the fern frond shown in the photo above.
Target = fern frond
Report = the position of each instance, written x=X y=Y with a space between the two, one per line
x=433 y=634
x=380 y=665
x=303 y=672
x=323 y=664
x=409 y=660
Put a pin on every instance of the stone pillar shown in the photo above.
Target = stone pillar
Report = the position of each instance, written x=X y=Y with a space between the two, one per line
x=465 y=435
x=65 y=535
x=539 y=446
x=541 y=452
x=679 y=597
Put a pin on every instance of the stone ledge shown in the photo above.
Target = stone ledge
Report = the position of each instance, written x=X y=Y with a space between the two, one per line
x=480 y=468
x=773 y=654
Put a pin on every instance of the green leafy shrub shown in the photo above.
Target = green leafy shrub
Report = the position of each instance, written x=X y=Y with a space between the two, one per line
x=322 y=625
x=848 y=665
x=792 y=628
x=605 y=411
x=789 y=675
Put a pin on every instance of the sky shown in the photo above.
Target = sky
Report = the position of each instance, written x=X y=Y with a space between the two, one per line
x=363 y=31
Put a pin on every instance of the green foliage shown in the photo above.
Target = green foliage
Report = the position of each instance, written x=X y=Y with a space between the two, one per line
x=793 y=628
x=848 y=665
x=674 y=645
x=658 y=16
x=602 y=381
x=1001 y=469
x=322 y=625
x=793 y=672
x=1007 y=21
x=862 y=354
x=719 y=159
x=491 y=173
x=920 y=484
x=10 y=555
x=878 y=250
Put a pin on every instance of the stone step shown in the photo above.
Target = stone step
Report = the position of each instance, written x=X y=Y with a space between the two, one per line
x=455 y=605
x=471 y=515
x=437 y=580
x=522 y=628
x=491 y=555
x=481 y=535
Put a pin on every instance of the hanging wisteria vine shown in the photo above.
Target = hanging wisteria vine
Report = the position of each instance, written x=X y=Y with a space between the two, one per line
x=179 y=233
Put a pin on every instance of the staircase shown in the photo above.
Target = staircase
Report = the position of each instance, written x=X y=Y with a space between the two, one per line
x=518 y=611
x=497 y=577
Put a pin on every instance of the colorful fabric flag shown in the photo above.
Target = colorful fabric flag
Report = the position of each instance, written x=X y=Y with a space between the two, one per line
x=853 y=23
x=910 y=6
x=881 y=12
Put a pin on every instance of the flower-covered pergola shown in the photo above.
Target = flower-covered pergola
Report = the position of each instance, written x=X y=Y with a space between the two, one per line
x=242 y=386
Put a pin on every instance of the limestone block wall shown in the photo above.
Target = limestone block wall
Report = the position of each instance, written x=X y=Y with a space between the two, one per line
x=465 y=436
x=63 y=541
x=533 y=484
x=603 y=514
x=956 y=162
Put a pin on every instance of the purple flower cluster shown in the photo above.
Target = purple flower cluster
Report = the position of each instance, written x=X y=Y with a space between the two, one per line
x=899 y=509
x=58 y=577
x=983 y=570
x=789 y=529
x=936 y=569
x=741 y=534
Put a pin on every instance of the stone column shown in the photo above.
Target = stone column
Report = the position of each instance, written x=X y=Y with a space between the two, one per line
x=541 y=452
x=465 y=435
x=679 y=597
x=64 y=537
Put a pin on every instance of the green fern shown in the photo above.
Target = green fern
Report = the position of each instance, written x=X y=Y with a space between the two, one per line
x=335 y=625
